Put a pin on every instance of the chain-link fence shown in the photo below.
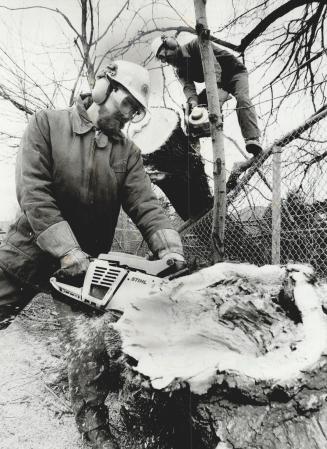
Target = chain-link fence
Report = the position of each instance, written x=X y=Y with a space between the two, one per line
x=277 y=212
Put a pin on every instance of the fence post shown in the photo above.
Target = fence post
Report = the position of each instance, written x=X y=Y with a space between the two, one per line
x=276 y=206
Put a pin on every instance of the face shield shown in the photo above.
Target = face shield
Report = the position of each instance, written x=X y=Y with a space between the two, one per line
x=128 y=106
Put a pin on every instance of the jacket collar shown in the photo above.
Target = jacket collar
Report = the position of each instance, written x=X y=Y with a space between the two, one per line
x=81 y=122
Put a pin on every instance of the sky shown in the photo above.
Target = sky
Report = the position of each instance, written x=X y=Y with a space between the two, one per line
x=41 y=42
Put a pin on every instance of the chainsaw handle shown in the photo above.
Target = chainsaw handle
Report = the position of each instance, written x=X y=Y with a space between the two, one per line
x=132 y=262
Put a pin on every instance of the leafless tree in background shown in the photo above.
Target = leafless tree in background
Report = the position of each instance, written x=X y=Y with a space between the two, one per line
x=283 y=40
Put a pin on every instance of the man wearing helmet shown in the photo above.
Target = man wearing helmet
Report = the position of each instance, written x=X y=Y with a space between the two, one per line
x=231 y=76
x=75 y=170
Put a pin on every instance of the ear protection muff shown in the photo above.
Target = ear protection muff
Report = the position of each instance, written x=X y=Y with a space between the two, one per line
x=169 y=42
x=101 y=90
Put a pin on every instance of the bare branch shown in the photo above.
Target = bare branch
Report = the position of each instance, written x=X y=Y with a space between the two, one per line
x=271 y=18
x=111 y=22
x=15 y=103
x=56 y=10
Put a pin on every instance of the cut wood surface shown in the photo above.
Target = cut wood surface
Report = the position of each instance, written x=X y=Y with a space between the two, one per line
x=186 y=334
x=242 y=348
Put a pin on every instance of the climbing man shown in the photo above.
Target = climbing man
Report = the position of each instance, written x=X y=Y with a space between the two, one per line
x=75 y=169
x=231 y=75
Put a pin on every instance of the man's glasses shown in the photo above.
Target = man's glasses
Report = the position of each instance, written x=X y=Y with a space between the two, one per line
x=128 y=106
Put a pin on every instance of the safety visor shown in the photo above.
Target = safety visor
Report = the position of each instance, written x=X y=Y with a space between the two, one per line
x=129 y=107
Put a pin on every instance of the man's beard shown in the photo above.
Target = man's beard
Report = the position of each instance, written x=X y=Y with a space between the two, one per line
x=111 y=124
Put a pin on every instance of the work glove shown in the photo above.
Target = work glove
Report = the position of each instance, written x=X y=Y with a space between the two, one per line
x=192 y=103
x=73 y=266
x=176 y=261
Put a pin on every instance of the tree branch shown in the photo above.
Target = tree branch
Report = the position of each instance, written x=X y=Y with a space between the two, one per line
x=186 y=29
x=15 y=103
x=271 y=18
x=56 y=10
x=111 y=22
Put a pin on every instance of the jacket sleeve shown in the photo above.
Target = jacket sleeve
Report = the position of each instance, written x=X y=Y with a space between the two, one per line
x=141 y=204
x=194 y=50
x=35 y=189
x=188 y=88
x=217 y=66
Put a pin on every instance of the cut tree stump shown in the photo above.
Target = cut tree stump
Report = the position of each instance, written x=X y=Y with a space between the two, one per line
x=233 y=356
x=172 y=162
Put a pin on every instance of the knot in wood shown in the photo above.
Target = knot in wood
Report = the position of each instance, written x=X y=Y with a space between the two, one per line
x=202 y=31
x=213 y=117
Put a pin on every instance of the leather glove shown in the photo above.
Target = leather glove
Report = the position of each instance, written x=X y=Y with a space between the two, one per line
x=192 y=104
x=73 y=266
x=176 y=261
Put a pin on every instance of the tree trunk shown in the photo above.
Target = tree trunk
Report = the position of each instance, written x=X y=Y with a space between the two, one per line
x=216 y=130
x=172 y=162
x=230 y=357
x=233 y=356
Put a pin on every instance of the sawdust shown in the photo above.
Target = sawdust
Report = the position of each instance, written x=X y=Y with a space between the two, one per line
x=34 y=413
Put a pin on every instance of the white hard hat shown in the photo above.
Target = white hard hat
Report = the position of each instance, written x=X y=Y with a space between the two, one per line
x=132 y=77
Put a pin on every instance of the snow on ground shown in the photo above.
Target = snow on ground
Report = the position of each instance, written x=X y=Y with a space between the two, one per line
x=33 y=413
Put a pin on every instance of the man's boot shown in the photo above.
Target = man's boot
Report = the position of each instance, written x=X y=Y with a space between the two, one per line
x=253 y=146
x=101 y=438
x=93 y=423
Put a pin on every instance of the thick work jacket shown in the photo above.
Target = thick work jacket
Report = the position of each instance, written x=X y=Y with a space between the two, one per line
x=189 y=67
x=71 y=183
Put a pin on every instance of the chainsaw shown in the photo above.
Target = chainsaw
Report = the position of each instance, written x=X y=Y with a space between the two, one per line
x=198 y=122
x=115 y=279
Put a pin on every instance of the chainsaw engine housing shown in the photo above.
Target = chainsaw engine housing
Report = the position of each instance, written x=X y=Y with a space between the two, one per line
x=198 y=122
x=115 y=279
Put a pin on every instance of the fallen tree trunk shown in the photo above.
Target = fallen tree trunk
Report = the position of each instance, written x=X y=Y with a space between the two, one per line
x=231 y=357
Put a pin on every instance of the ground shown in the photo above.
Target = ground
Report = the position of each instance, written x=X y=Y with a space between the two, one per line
x=35 y=411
